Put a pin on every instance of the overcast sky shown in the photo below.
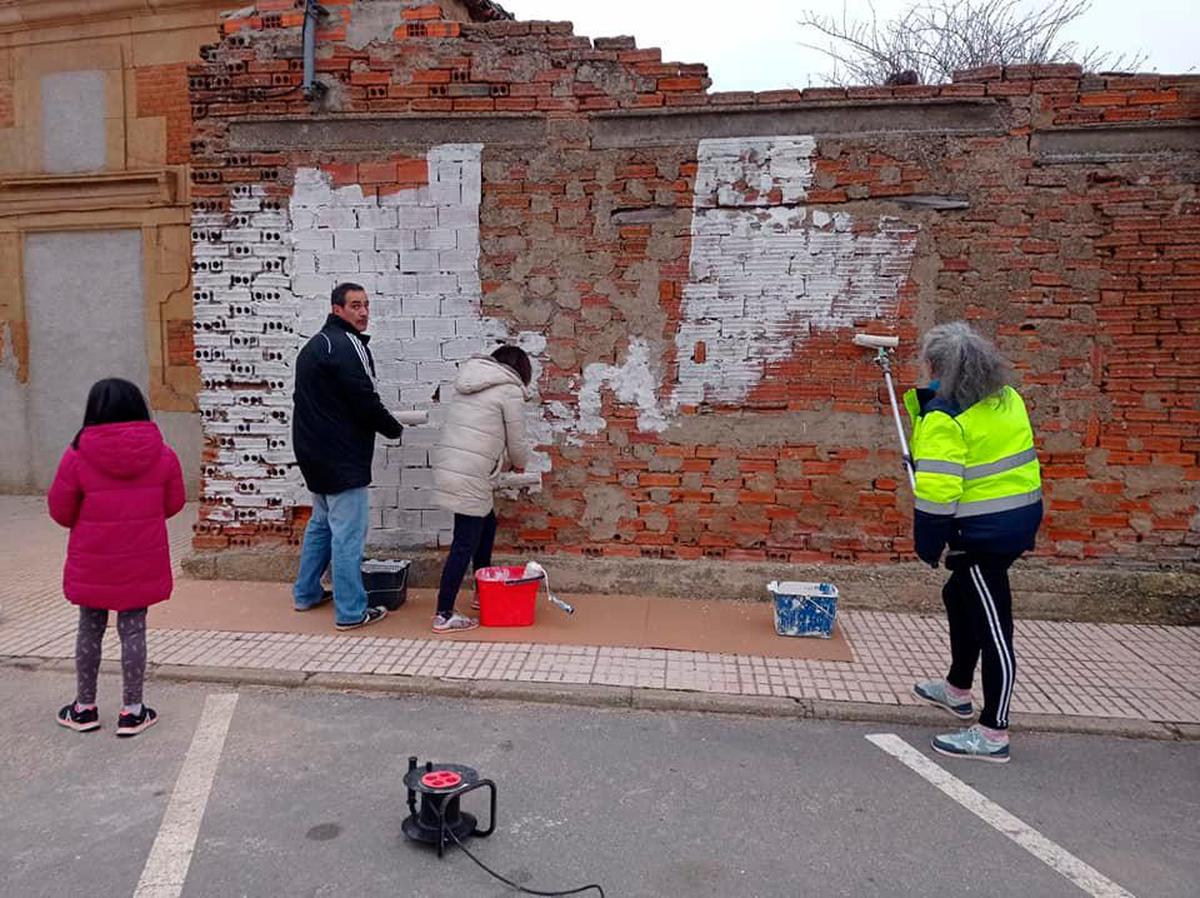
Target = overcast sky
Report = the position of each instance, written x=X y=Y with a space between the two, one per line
x=754 y=44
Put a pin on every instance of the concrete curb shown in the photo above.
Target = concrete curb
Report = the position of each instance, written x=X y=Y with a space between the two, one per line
x=1186 y=732
x=624 y=698
x=915 y=715
x=232 y=676
x=586 y=696
x=720 y=703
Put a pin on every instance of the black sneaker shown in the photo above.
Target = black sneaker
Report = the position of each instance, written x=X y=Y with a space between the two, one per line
x=326 y=598
x=80 y=721
x=132 y=724
x=371 y=616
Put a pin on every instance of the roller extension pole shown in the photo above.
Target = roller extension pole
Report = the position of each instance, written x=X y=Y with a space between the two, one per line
x=908 y=462
x=883 y=346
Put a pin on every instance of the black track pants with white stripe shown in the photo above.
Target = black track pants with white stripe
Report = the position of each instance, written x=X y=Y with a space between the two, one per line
x=979 y=607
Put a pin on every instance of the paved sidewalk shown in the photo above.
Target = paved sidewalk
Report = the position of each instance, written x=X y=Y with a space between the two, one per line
x=1085 y=671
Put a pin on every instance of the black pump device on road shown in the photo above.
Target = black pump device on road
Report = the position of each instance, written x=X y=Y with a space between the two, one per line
x=440 y=819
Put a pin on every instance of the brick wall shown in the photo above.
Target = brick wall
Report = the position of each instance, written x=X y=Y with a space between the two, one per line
x=687 y=268
x=162 y=90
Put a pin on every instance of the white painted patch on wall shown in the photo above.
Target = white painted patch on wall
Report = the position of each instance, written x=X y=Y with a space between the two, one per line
x=635 y=382
x=246 y=320
x=741 y=172
x=765 y=271
x=416 y=252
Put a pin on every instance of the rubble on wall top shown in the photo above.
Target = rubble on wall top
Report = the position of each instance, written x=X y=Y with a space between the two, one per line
x=487 y=11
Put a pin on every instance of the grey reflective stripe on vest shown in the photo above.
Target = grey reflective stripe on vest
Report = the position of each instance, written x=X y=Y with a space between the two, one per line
x=932 y=466
x=991 y=506
x=942 y=508
x=999 y=467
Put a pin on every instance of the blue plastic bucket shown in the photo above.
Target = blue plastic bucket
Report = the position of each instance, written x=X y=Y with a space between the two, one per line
x=804 y=609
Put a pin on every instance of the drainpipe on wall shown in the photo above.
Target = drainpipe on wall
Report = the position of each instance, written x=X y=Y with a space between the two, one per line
x=313 y=11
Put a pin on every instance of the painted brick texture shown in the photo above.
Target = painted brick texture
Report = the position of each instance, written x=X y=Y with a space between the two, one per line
x=690 y=304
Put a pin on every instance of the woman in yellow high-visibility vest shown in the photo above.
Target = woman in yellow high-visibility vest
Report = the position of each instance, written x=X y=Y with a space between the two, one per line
x=979 y=495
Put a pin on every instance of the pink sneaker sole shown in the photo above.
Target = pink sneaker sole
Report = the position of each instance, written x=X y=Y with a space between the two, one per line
x=78 y=727
x=132 y=729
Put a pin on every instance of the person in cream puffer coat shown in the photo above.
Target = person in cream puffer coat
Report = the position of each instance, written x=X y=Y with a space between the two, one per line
x=483 y=435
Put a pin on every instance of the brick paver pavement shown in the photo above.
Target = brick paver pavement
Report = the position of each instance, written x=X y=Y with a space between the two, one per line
x=1118 y=671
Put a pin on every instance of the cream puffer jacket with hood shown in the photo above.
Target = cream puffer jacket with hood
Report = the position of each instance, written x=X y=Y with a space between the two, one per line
x=484 y=434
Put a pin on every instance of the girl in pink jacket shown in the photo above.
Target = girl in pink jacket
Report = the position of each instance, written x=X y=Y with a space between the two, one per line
x=116 y=485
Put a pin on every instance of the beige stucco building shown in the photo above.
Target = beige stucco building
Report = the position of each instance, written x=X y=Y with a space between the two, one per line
x=95 y=264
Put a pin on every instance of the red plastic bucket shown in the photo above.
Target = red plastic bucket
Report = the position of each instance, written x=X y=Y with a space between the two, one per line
x=504 y=604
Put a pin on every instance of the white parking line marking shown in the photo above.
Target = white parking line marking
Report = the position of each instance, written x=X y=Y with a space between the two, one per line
x=1058 y=858
x=171 y=854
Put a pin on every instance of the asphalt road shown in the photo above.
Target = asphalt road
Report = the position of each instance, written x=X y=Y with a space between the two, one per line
x=307 y=800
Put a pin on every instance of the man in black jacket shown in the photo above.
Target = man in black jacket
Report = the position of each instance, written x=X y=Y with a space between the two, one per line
x=337 y=414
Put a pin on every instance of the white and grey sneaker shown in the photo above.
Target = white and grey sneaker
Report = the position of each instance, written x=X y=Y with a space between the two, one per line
x=453 y=623
x=934 y=692
x=972 y=744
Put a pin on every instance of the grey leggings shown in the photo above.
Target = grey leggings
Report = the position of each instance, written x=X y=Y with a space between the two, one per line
x=131 y=626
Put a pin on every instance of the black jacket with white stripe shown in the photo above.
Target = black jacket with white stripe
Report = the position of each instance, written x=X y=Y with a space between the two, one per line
x=338 y=411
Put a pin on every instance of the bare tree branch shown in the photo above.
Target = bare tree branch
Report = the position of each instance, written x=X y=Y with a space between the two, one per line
x=930 y=39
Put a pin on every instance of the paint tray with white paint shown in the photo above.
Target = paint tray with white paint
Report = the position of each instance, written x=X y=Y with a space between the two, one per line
x=804 y=609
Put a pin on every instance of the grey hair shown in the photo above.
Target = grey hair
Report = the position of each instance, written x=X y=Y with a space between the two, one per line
x=968 y=366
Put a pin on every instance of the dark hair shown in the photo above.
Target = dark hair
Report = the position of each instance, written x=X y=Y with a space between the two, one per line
x=515 y=358
x=113 y=401
x=339 y=293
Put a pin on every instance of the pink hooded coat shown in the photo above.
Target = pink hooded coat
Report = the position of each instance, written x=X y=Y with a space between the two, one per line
x=115 y=494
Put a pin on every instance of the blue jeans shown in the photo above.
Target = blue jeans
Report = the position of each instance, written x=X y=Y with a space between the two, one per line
x=336 y=534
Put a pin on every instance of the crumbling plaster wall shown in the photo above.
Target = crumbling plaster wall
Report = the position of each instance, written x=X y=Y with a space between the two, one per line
x=688 y=268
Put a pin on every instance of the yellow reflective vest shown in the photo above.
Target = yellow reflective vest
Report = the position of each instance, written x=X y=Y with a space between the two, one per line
x=979 y=485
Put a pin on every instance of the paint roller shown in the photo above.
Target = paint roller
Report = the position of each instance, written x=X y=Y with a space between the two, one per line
x=517 y=480
x=534 y=571
x=876 y=341
x=884 y=345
